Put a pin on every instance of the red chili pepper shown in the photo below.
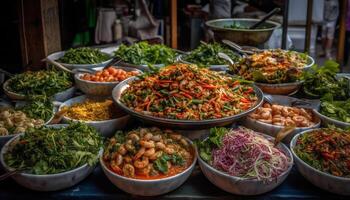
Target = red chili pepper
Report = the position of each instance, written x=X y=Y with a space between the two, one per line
x=248 y=91
x=186 y=95
x=208 y=86
x=236 y=83
x=165 y=81
x=327 y=155
x=245 y=100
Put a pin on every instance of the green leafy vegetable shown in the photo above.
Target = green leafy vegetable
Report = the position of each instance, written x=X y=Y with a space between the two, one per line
x=214 y=140
x=45 y=82
x=161 y=164
x=143 y=53
x=323 y=80
x=39 y=107
x=49 y=150
x=207 y=54
x=338 y=110
x=83 y=55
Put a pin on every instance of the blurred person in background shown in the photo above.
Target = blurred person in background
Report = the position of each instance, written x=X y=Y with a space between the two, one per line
x=331 y=13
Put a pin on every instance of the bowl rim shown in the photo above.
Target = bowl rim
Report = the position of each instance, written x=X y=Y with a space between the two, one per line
x=126 y=83
x=285 y=149
x=210 y=24
x=88 y=122
x=298 y=82
x=78 y=75
x=304 y=164
x=189 y=168
x=82 y=65
x=7 y=168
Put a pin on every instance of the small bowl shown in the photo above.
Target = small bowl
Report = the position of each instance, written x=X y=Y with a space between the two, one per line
x=280 y=88
x=152 y=187
x=271 y=129
x=50 y=182
x=60 y=96
x=243 y=186
x=98 y=88
x=328 y=182
x=106 y=127
x=57 y=55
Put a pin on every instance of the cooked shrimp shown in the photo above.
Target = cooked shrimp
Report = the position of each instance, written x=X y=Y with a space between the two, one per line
x=129 y=170
x=148 y=136
x=118 y=159
x=156 y=155
x=134 y=137
x=122 y=150
x=149 y=152
x=169 y=150
x=141 y=163
x=147 y=144
x=175 y=136
x=160 y=145
x=140 y=153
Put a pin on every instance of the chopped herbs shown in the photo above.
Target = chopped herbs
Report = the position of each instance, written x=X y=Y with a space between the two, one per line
x=83 y=55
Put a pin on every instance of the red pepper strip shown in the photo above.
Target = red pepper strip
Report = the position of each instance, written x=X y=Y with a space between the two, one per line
x=177 y=95
x=186 y=95
x=327 y=155
x=165 y=81
x=208 y=86
x=235 y=83
x=245 y=100
x=250 y=90
x=224 y=97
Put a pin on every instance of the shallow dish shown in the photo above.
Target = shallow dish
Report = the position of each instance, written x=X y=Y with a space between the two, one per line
x=271 y=129
x=242 y=186
x=51 y=182
x=60 y=96
x=106 y=127
x=180 y=124
x=152 y=187
x=335 y=184
x=250 y=37
x=57 y=55
x=98 y=88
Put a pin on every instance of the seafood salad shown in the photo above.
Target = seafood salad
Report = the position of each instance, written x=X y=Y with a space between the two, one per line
x=271 y=66
x=284 y=115
x=186 y=92
x=148 y=153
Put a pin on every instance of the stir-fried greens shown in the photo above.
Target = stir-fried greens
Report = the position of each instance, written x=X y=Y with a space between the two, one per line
x=326 y=149
x=49 y=150
x=187 y=92
x=45 y=82
x=319 y=81
x=207 y=54
x=271 y=66
x=143 y=53
x=243 y=153
x=83 y=55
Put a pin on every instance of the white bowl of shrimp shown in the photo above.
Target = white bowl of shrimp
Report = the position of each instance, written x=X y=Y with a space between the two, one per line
x=148 y=161
x=270 y=118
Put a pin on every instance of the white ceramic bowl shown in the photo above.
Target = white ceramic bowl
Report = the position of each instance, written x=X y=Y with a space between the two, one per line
x=106 y=127
x=243 y=186
x=335 y=184
x=98 y=88
x=57 y=55
x=60 y=96
x=50 y=182
x=152 y=187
